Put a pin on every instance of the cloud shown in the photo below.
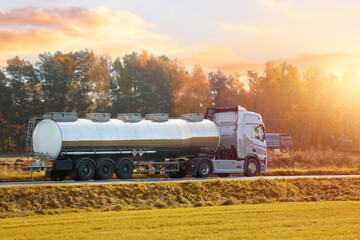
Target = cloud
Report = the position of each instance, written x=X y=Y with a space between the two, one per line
x=318 y=9
x=239 y=28
x=347 y=12
x=287 y=8
x=27 y=41
x=35 y=17
x=36 y=30
x=211 y=54
x=211 y=58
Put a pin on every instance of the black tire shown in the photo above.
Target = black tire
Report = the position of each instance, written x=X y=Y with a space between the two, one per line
x=252 y=167
x=223 y=174
x=179 y=174
x=105 y=169
x=124 y=169
x=58 y=175
x=204 y=169
x=85 y=170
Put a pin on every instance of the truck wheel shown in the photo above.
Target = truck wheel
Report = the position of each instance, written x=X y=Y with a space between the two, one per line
x=105 y=169
x=85 y=170
x=251 y=167
x=124 y=169
x=223 y=174
x=204 y=169
x=179 y=174
x=58 y=175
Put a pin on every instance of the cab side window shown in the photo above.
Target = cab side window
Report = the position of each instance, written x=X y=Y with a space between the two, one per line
x=250 y=130
x=255 y=131
x=259 y=132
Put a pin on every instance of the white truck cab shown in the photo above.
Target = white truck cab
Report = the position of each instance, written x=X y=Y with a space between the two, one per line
x=242 y=147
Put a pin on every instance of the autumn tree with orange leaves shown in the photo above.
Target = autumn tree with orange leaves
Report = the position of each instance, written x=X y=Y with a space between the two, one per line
x=316 y=108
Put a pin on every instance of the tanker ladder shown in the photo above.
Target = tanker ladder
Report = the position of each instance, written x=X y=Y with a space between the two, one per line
x=29 y=140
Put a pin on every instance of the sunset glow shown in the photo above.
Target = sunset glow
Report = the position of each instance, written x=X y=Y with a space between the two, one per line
x=231 y=35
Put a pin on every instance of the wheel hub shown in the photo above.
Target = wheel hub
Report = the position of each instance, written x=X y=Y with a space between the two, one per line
x=252 y=167
x=204 y=169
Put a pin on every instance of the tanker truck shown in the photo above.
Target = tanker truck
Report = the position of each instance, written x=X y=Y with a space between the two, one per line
x=227 y=141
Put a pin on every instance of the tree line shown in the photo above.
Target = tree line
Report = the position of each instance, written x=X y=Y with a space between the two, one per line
x=313 y=106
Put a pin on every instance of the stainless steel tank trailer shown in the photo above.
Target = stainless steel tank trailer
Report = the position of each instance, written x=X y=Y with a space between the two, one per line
x=228 y=140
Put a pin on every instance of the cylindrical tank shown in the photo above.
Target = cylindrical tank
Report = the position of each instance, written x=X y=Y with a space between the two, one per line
x=172 y=137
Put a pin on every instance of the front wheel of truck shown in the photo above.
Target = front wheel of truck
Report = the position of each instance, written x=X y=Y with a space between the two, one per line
x=252 y=167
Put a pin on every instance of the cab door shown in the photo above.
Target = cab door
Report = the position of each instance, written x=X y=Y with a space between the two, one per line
x=255 y=142
x=254 y=135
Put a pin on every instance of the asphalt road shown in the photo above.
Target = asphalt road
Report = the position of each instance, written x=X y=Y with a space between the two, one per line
x=157 y=180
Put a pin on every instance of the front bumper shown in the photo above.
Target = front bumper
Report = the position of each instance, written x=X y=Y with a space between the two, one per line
x=263 y=165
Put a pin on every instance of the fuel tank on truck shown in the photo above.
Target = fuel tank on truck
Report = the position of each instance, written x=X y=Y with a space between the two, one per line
x=97 y=133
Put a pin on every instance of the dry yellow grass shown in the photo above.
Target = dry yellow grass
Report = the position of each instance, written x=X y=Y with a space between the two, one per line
x=12 y=156
x=309 y=172
x=56 y=199
x=313 y=158
x=315 y=220
x=20 y=176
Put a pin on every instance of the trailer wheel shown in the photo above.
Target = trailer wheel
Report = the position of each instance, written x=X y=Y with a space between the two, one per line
x=223 y=174
x=105 y=169
x=251 y=167
x=85 y=170
x=58 y=175
x=124 y=169
x=204 y=169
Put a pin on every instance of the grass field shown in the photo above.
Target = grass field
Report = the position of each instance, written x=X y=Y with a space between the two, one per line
x=47 y=200
x=310 y=220
x=309 y=172
x=313 y=158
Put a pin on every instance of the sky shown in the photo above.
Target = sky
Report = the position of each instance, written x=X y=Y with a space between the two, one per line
x=206 y=32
